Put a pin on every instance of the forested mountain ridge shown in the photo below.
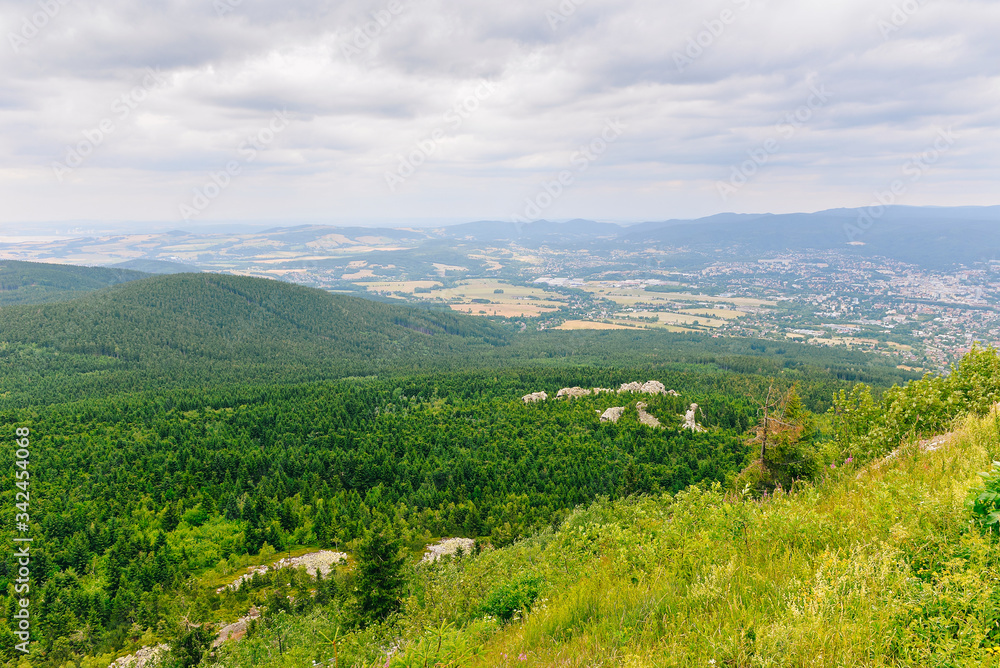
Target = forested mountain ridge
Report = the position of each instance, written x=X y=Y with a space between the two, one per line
x=217 y=328
x=212 y=329
x=38 y=282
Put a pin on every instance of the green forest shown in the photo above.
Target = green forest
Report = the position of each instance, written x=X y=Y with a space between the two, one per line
x=186 y=428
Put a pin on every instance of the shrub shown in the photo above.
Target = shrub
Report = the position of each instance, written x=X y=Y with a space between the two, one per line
x=985 y=501
x=507 y=599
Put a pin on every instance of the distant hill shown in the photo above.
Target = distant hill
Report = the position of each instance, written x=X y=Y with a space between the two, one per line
x=158 y=267
x=210 y=329
x=38 y=283
x=933 y=238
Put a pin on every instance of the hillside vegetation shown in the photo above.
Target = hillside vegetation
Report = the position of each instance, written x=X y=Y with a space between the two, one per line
x=877 y=563
x=37 y=283
x=203 y=330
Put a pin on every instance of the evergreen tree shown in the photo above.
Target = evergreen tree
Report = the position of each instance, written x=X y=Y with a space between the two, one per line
x=380 y=579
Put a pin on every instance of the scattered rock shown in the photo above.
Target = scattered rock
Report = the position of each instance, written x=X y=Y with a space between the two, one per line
x=535 y=397
x=573 y=392
x=690 y=420
x=645 y=418
x=321 y=561
x=601 y=390
x=613 y=414
x=237 y=629
x=653 y=387
x=630 y=387
x=673 y=393
x=448 y=546
x=146 y=656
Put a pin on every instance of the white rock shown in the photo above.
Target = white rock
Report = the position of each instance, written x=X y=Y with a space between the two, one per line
x=690 y=420
x=448 y=546
x=613 y=414
x=573 y=392
x=534 y=398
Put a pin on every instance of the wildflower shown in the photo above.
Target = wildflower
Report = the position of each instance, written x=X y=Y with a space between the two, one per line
x=833 y=466
x=522 y=657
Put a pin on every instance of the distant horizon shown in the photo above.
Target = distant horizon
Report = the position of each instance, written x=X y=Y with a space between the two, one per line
x=70 y=229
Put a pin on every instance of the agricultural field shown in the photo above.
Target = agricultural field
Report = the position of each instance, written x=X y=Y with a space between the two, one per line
x=577 y=325
x=480 y=297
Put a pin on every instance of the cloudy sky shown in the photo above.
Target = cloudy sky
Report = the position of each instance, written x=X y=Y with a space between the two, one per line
x=192 y=112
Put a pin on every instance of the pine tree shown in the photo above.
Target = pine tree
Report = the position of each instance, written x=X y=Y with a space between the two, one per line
x=380 y=579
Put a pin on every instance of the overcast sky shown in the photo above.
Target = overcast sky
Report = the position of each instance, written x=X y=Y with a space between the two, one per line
x=192 y=112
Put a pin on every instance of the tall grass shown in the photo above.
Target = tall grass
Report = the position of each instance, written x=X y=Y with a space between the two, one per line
x=872 y=567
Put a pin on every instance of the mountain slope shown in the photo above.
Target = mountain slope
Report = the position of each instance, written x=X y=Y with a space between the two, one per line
x=37 y=282
x=209 y=328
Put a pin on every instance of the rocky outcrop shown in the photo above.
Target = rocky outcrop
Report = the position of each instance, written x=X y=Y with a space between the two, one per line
x=147 y=656
x=448 y=546
x=630 y=387
x=322 y=562
x=534 y=398
x=645 y=418
x=653 y=387
x=690 y=420
x=613 y=414
x=602 y=390
x=572 y=392
x=237 y=629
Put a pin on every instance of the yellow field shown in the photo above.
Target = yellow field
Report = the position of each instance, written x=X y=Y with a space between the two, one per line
x=574 y=325
x=398 y=286
x=518 y=310
x=725 y=314
x=632 y=296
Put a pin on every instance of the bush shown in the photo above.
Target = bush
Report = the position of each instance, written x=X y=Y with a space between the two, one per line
x=519 y=595
x=985 y=501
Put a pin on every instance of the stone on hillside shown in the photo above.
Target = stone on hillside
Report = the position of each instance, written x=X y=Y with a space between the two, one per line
x=573 y=392
x=653 y=387
x=645 y=418
x=690 y=420
x=630 y=387
x=449 y=546
x=613 y=414
x=534 y=397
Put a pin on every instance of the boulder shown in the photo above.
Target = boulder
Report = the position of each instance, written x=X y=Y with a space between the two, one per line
x=645 y=418
x=613 y=414
x=690 y=420
x=534 y=398
x=630 y=387
x=573 y=392
x=653 y=387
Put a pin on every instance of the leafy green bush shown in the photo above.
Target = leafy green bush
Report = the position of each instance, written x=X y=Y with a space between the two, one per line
x=985 y=501
x=507 y=599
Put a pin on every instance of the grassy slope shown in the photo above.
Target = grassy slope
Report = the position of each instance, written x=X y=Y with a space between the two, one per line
x=877 y=567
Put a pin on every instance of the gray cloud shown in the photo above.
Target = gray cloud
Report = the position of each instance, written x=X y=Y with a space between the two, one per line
x=698 y=87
